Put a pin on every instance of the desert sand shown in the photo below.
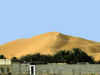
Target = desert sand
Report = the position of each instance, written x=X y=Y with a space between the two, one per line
x=49 y=43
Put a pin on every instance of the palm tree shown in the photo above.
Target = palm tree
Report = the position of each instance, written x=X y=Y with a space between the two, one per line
x=60 y=56
x=49 y=58
x=37 y=57
x=68 y=56
x=81 y=56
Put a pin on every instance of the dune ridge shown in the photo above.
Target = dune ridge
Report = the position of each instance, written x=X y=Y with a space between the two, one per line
x=49 y=43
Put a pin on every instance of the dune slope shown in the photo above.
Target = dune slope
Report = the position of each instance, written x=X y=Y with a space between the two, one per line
x=49 y=43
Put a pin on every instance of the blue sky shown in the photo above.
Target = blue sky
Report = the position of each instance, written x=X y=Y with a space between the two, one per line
x=27 y=18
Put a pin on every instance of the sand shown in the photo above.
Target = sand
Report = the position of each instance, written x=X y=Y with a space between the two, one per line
x=49 y=43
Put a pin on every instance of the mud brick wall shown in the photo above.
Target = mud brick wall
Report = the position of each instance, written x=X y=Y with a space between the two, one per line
x=68 y=69
x=15 y=68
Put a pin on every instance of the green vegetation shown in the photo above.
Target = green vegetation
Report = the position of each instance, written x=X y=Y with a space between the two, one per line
x=2 y=57
x=15 y=59
x=62 y=56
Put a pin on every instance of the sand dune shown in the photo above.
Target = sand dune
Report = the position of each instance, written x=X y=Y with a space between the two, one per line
x=49 y=43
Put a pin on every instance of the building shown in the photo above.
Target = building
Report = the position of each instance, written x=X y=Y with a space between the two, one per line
x=15 y=68
x=5 y=66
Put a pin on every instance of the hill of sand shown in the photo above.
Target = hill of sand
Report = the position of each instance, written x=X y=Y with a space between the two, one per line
x=49 y=43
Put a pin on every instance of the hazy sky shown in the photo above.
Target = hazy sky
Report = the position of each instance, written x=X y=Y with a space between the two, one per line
x=27 y=18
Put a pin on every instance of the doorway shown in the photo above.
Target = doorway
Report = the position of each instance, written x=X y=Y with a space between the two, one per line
x=32 y=69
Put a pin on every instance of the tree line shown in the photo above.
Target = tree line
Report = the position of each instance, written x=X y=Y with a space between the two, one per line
x=72 y=56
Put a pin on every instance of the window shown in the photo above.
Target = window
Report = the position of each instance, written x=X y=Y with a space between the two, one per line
x=8 y=69
x=2 y=69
